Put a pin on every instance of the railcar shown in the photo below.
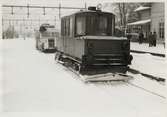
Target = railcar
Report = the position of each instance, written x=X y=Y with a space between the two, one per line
x=88 y=40
x=46 y=38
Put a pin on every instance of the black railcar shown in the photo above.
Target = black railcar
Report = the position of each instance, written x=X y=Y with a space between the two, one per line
x=88 y=39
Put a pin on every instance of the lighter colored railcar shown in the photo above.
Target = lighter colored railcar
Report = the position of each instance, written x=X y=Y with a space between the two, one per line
x=46 y=38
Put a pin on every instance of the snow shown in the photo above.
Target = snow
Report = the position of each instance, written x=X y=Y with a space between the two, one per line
x=141 y=8
x=140 y=22
x=153 y=86
x=145 y=48
x=149 y=64
x=34 y=82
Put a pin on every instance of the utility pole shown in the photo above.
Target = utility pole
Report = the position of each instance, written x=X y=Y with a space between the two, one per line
x=12 y=10
x=59 y=11
x=39 y=22
x=55 y=20
x=28 y=11
x=44 y=11
x=85 y=6
x=24 y=28
x=2 y=28
x=20 y=28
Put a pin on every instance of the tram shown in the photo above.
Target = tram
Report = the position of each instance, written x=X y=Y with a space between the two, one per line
x=88 y=39
x=46 y=38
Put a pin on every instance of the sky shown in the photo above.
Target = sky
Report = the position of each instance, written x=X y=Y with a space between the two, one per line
x=70 y=2
x=51 y=14
x=56 y=2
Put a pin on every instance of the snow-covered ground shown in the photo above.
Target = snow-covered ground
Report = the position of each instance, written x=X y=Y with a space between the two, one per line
x=145 y=47
x=33 y=81
x=153 y=65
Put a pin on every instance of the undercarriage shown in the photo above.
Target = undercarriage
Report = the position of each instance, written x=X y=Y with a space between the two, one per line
x=83 y=68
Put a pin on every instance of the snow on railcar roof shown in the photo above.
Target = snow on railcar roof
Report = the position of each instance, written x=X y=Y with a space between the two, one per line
x=141 y=8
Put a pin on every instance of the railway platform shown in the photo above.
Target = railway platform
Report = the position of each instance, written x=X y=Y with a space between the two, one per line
x=159 y=50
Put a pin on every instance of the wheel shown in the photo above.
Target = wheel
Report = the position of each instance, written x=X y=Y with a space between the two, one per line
x=77 y=67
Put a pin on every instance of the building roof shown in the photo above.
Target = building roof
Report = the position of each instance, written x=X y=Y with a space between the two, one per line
x=140 y=22
x=141 y=8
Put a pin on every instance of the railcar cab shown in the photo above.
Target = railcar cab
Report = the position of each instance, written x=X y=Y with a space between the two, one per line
x=96 y=42
x=89 y=22
x=46 y=38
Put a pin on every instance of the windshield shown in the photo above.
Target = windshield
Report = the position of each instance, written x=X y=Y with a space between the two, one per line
x=48 y=34
x=102 y=27
x=80 y=25
x=93 y=24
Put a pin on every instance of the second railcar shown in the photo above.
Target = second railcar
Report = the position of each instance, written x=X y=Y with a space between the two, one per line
x=46 y=38
x=88 y=39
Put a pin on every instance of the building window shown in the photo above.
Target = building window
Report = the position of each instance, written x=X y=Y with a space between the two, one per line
x=161 y=30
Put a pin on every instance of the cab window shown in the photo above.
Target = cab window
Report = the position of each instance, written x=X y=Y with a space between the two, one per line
x=102 y=28
x=80 y=25
x=98 y=25
x=45 y=34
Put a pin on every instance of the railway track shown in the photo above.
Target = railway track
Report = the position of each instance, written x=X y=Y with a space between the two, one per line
x=146 y=90
x=129 y=84
x=134 y=71
x=111 y=79
x=143 y=52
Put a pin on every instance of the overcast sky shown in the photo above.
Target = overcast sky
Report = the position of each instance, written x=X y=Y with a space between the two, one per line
x=55 y=2
x=20 y=13
x=52 y=13
x=66 y=3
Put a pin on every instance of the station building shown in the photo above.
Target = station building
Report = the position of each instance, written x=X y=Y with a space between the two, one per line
x=151 y=19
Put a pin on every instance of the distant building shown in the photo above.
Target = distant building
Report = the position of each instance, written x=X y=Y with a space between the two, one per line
x=151 y=19
x=158 y=19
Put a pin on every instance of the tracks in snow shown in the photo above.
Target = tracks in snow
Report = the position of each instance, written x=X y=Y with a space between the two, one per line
x=146 y=90
x=134 y=71
x=111 y=81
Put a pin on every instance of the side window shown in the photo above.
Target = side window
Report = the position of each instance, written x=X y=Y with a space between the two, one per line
x=80 y=25
x=71 y=27
x=113 y=25
x=67 y=26
x=62 y=27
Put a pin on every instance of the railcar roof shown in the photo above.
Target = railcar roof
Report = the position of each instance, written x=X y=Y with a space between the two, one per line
x=102 y=38
x=89 y=11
